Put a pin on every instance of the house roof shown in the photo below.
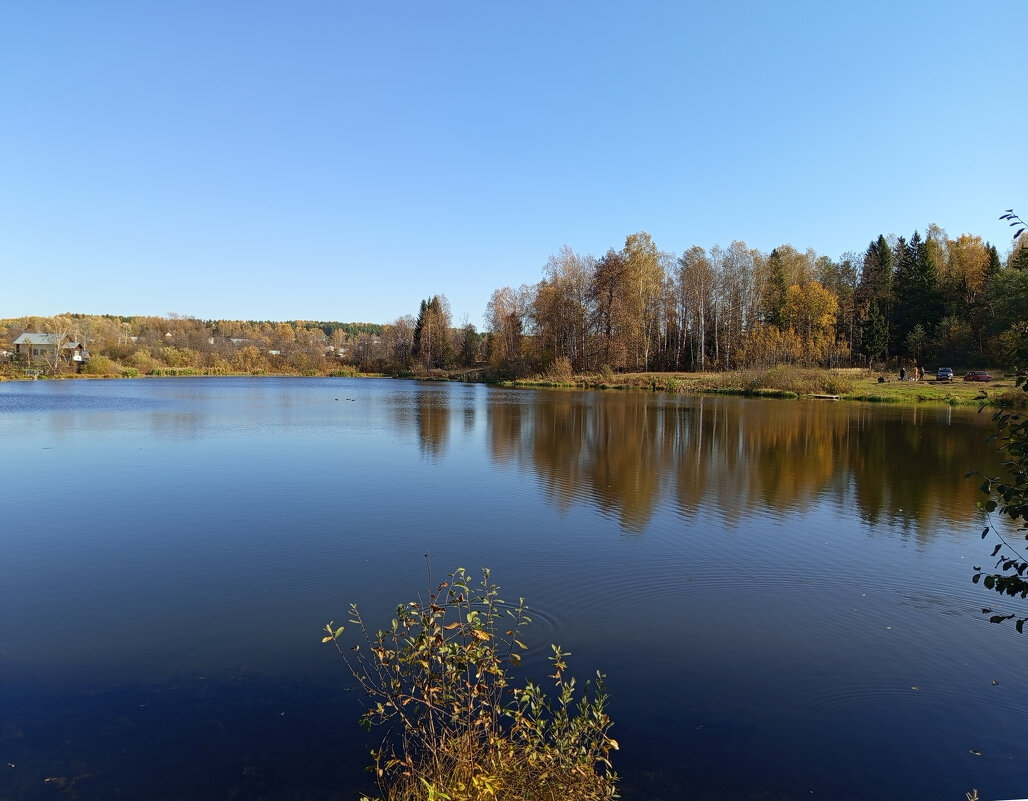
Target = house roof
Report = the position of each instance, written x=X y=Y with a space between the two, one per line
x=50 y=340
x=30 y=338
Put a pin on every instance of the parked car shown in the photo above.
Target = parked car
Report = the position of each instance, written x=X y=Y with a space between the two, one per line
x=944 y=374
x=978 y=375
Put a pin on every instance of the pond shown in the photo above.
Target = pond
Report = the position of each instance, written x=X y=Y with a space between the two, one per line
x=778 y=591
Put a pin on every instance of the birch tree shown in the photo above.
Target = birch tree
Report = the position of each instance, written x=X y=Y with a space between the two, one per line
x=561 y=307
x=694 y=288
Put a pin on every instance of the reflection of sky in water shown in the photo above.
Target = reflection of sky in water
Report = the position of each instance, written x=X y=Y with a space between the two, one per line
x=12 y=403
x=764 y=582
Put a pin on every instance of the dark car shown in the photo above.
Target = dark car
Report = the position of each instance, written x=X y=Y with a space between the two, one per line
x=944 y=374
x=978 y=375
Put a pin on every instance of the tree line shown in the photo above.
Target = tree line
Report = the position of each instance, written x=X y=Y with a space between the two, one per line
x=924 y=300
x=180 y=344
x=920 y=300
x=183 y=345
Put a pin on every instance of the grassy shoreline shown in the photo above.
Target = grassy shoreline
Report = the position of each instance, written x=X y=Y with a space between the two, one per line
x=848 y=384
x=845 y=384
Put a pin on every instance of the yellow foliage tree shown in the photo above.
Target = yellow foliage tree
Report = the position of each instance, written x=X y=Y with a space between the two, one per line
x=769 y=345
x=810 y=310
x=967 y=267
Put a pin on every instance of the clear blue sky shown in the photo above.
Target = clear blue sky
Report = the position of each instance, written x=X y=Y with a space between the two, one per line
x=342 y=159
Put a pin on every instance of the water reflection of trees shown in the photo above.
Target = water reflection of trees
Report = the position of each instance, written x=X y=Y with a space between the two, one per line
x=427 y=412
x=624 y=453
x=433 y=408
x=432 y=414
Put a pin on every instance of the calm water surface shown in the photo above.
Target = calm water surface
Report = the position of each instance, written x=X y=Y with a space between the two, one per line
x=778 y=591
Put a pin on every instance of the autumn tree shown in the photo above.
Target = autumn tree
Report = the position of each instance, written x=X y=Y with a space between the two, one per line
x=784 y=267
x=59 y=330
x=508 y=315
x=465 y=346
x=249 y=359
x=810 y=311
x=280 y=335
x=666 y=347
x=642 y=286
x=738 y=291
x=310 y=343
x=969 y=265
x=694 y=288
x=399 y=340
x=372 y=353
x=607 y=304
x=768 y=345
x=561 y=308
x=721 y=311
x=841 y=279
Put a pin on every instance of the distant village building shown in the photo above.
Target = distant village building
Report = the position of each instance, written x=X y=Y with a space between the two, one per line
x=49 y=348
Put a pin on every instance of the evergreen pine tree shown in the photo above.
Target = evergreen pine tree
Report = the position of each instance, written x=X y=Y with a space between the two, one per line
x=926 y=304
x=995 y=265
x=773 y=311
x=874 y=290
x=875 y=334
x=903 y=291
x=416 y=350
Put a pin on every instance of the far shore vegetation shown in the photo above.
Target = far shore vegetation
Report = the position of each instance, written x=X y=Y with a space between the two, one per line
x=303 y=353
x=731 y=320
x=782 y=381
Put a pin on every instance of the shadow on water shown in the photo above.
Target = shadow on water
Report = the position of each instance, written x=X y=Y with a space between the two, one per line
x=210 y=739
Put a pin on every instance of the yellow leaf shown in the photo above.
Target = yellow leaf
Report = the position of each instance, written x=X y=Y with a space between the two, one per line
x=478 y=634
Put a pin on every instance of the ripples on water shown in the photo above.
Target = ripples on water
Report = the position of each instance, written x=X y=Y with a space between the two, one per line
x=42 y=402
x=779 y=592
